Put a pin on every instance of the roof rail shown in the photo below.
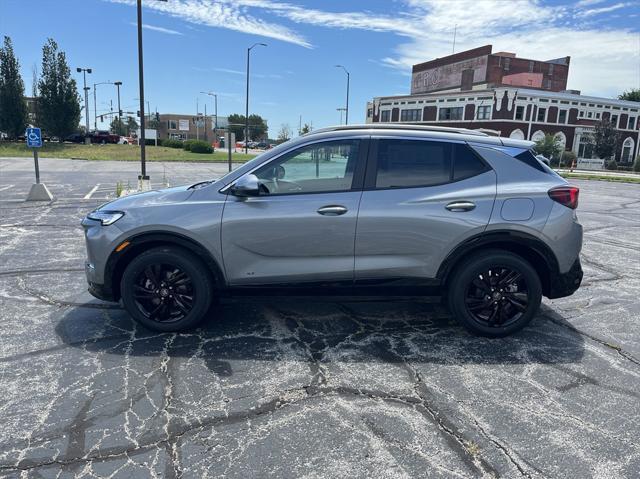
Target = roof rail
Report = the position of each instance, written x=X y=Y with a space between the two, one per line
x=403 y=126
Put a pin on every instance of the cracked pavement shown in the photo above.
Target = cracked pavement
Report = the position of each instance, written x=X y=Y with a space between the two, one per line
x=299 y=388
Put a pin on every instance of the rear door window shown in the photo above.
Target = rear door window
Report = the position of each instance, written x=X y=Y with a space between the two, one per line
x=413 y=163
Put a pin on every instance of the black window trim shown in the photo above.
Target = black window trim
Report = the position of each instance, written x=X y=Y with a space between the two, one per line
x=372 y=163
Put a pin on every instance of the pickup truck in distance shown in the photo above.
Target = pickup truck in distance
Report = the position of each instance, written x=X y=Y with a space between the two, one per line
x=101 y=136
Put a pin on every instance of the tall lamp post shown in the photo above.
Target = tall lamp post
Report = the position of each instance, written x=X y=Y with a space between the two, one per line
x=215 y=112
x=86 y=95
x=246 y=116
x=118 y=84
x=346 y=114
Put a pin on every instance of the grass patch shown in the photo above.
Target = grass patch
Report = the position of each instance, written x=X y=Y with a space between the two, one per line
x=116 y=152
x=615 y=179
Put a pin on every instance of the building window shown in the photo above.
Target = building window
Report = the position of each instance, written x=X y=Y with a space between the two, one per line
x=541 y=114
x=520 y=113
x=627 y=151
x=614 y=121
x=581 y=113
x=562 y=116
x=385 y=115
x=454 y=113
x=484 y=112
x=530 y=66
x=172 y=125
x=507 y=63
x=410 y=115
x=550 y=69
x=632 y=123
x=589 y=114
x=369 y=112
x=597 y=115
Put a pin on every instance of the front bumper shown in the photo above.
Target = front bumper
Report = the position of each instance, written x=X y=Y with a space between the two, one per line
x=96 y=289
x=565 y=284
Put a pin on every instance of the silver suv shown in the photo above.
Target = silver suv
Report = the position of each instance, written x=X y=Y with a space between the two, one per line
x=357 y=210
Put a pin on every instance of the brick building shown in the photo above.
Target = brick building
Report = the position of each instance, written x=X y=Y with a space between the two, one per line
x=190 y=127
x=508 y=96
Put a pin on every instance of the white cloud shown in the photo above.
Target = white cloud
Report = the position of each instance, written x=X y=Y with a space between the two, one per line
x=597 y=11
x=158 y=29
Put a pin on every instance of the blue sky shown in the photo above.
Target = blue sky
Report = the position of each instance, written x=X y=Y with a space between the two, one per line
x=200 y=45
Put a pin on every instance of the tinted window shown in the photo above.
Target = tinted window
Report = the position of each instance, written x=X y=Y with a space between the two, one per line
x=403 y=163
x=466 y=163
x=321 y=167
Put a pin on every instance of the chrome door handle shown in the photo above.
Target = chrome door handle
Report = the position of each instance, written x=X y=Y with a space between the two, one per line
x=460 y=206
x=333 y=210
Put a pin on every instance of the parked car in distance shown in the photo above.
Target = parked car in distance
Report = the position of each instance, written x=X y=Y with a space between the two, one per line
x=381 y=210
x=262 y=145
x=75 y=138
x=102 y=137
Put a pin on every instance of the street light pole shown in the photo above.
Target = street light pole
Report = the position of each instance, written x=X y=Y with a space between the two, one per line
x=118 y=84
x=346 y=120
x=86 y=95
x=246 y=116
x=215 y=110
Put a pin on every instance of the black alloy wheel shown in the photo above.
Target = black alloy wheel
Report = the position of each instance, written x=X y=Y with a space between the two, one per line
x=167 y=288
x=494 y=293
x=164 y=293
x=497 y=297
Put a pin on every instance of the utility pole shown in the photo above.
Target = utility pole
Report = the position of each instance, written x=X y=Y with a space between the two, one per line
x=86 y=96
x=346 y=115
x=246 y=116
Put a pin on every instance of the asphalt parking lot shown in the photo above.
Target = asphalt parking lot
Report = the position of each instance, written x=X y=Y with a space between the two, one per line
x=278 y=388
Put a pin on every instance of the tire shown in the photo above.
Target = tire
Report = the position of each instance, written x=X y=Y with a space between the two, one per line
x=167 y=289
x=494 y=293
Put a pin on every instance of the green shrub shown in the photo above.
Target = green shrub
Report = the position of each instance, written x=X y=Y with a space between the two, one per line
x=197 y=146
x=612 y=165
x=170 y=143
x=636 y=164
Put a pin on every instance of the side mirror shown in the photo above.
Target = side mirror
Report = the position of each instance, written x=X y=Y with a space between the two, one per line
x=247 y=185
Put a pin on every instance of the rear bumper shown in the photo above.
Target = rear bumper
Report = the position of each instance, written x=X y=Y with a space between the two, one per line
x=565 y=284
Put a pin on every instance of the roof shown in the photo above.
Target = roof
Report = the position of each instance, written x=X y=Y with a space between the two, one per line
x=404 y=126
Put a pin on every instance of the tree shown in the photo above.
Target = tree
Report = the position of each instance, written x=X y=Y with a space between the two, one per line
x=605 y=139
x=631 y=95
x=284 y=133
x=118 y=127
x=305 y=129
x=59 y=105
x=257 y=126
x=549 y=146
x=13 y=107
x=132 y=125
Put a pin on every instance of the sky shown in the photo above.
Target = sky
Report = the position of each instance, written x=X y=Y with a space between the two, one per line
x=192 y=46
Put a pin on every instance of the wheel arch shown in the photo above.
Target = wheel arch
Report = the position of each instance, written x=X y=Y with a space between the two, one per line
x=527 y=246
x=118 y=261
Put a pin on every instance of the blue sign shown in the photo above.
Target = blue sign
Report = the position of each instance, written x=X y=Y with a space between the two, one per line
x=34 y=137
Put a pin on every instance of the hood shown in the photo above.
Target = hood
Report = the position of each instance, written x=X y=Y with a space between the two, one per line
x=176 y=194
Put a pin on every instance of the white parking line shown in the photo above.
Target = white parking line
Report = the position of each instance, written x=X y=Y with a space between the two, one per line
x=93 y=190
x=8 y=187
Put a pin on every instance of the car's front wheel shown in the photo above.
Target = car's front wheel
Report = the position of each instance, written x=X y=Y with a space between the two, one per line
x=166 y=289
x=494 y=293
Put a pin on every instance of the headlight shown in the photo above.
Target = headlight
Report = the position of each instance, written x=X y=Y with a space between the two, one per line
x=105 y=217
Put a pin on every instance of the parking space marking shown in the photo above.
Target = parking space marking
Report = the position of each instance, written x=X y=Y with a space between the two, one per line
x=4 y=188
x=93 y=190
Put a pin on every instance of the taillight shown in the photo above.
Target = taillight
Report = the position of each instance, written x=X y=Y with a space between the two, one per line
x=565 y=195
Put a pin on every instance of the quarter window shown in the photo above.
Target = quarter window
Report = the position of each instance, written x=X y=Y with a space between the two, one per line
x=453 y=113
x=317 y=168
x=410 y=115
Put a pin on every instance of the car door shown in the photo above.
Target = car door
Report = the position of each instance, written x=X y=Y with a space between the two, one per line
x=301 y=228
x=421 y=198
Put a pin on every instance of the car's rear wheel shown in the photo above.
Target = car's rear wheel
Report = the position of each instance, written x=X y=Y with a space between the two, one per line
x=166 y=289
x=494 y=293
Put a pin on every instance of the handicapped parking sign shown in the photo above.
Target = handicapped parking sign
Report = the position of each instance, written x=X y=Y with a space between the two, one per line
x=34 y=137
